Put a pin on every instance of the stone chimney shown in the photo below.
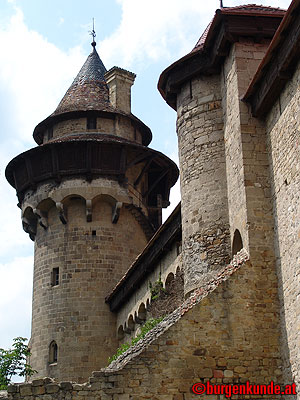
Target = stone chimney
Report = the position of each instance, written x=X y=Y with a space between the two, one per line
x=119 y=82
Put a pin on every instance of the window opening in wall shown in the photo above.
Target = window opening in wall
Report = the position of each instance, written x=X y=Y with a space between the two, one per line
x=50 y=133
x=55 y=277
x=94 y=233
x=179 y=247
x=75 y=198
x=237 y=243
x=53 y=352
x=91 y=123
x=121 y=333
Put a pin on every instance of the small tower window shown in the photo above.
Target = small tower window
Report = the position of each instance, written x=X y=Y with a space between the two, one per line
x=53 y=352
x=91 y=123
x=237 y=243
x=55 y=277
x=50 y=133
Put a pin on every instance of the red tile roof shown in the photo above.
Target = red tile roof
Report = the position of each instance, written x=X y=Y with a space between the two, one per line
x=247 y=9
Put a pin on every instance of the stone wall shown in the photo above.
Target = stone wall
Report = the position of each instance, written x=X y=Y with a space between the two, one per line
x=118 y=125
x=246 y=154
x=218 y=334
x=283 y=133
x=92 y=253
x=248 y=168
x=129 y=316
x=262 y=161
x=205 y=228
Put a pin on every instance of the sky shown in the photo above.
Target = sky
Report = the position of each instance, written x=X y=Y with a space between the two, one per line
x=43 y=46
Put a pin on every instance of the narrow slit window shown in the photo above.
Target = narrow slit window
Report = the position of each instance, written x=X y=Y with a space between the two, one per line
x=178 y=248
x=55 y=277
x=91 y=123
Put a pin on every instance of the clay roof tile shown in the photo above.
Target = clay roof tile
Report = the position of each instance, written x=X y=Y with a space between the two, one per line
x=89 y=90
x=242 y=10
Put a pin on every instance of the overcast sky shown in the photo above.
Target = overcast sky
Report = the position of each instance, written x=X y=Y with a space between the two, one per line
x=43 y=44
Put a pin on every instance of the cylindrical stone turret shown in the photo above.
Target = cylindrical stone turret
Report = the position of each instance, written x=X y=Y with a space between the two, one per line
x=205 y=225
x=91 y=197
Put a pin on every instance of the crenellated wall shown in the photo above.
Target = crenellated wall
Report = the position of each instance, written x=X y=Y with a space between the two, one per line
x=86 y=236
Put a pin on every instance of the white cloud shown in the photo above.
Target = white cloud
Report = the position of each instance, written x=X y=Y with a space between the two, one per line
x=31 y=66
x=15 y=299
x=168 y=29
x=154 y=30
x=34 y=75
x=175 y=195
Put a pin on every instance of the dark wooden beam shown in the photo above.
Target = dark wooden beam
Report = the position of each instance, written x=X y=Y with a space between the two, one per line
x=155 y=183
x=29 y=171
x=89 y=175
x=225 y=30
x=139 y=158
x=55 y=166
x=277 y=71
x=144 y=169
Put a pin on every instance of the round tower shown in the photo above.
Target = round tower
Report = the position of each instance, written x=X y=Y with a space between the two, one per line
x=91 y=196
x=193 y=87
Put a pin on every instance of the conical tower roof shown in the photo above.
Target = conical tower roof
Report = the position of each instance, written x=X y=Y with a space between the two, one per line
x=89 y=90
x=88 y=95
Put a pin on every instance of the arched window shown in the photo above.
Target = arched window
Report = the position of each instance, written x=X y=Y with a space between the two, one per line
x=169 y=280
x=53 y=352
x=237 y=243
x=120 y=333
x=130 y=323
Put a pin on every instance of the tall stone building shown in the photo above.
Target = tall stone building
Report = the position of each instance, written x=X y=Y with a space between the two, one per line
x=228 y=257
x=91 y=197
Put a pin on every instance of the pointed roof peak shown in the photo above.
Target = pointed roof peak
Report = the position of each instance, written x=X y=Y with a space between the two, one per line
x=89 y=90
x=92 y=70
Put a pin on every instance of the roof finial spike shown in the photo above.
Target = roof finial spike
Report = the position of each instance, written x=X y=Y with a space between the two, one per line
x=93 y=34
x=221 y=3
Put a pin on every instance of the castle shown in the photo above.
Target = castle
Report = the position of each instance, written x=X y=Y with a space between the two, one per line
x=91 y=196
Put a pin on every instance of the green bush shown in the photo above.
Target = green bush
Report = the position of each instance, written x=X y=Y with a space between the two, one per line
x=148 y=325
x=157 y=288
x=13 y=362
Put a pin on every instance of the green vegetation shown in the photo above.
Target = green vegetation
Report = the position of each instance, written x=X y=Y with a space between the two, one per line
x=157 y=288
x=148 y=325
x=13 y=362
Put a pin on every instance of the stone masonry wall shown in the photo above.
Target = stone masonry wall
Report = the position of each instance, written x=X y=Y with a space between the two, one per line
x=233 y=147
x=221 y=334
x=283 y=136
x=205 y=228
x=246 y=155
x=141 y=298
x=120 y=126
x=252 y=173
x=91 y=257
